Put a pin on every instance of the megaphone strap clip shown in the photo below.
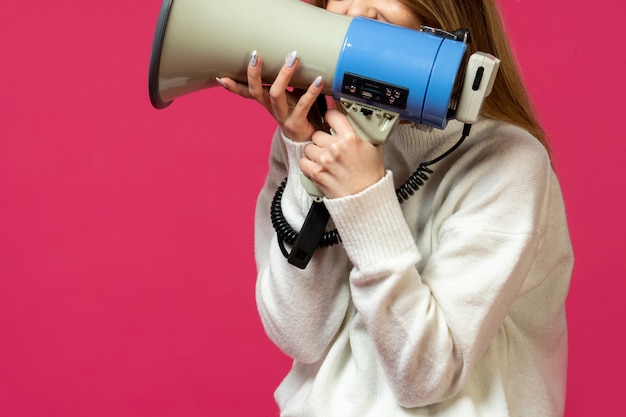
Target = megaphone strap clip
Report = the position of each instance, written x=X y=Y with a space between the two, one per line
x=309 y=237
x=312 y=236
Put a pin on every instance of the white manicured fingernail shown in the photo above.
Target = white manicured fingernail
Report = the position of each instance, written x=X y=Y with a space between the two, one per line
x=220 y=82
x=291 y=59
x=254 y=59
x=317 y=82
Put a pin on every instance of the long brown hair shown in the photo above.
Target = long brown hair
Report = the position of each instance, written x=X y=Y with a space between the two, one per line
x=509 y=100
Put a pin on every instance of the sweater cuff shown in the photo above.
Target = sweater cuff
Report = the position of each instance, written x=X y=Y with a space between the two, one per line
x=295 y=152
x=371 y=225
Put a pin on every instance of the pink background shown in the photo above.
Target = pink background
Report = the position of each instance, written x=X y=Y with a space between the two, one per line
x=126 y=264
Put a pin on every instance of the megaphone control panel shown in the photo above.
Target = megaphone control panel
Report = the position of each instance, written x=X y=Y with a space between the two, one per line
x=374 y=91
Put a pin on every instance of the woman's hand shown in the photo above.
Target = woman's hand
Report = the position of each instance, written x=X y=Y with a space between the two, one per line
x=290 y=109
x=342 y=164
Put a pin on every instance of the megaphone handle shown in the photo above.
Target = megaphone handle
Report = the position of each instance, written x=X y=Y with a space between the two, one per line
x=371 y=124
x=311 y=188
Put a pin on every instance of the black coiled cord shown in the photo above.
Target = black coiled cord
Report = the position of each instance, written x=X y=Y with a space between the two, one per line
x=286 y=234
x=415 y=181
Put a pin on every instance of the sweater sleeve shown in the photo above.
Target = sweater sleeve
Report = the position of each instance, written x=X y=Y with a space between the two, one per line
x=431 y=324
x=301 y=309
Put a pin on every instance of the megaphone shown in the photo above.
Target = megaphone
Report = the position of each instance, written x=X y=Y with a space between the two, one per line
x=381 y=71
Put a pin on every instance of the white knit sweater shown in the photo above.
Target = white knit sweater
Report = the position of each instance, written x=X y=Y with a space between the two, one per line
x=451 y=304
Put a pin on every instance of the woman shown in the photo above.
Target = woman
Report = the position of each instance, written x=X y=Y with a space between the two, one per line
x=451 y=303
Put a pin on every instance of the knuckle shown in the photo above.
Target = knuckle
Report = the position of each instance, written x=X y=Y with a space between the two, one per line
x=275 y=93
x=290 y=124
x=316 y=173
x=352 y=138
x=326 y=159
x=255 y=92
x=302 y=104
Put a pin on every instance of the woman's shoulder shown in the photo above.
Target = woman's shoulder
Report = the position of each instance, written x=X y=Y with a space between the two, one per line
x=501 y=142
x=502 y=135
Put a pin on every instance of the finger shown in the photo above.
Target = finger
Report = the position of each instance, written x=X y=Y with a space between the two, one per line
x=308 y=100
x=338 y=122
x=313 y=152
x=310 y=169
x=278 y=90
x=322 y=139
x=255 y=82
x=234 y=87
x=314 y=171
